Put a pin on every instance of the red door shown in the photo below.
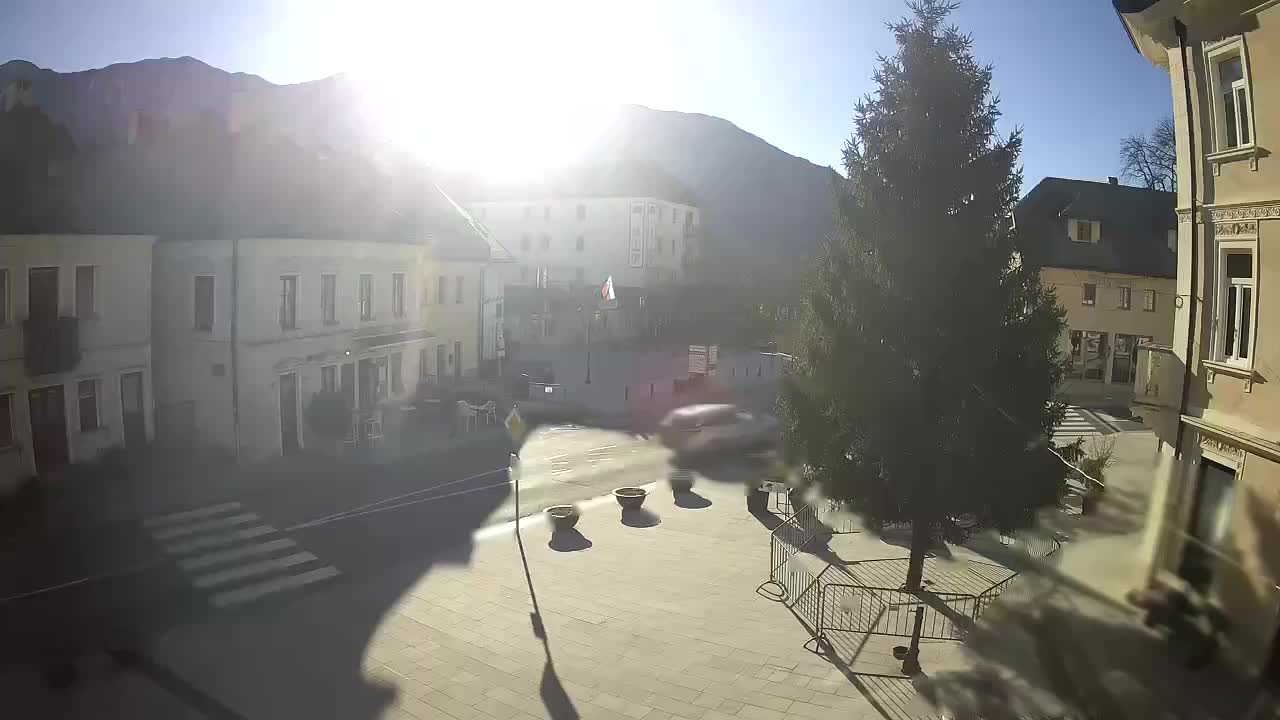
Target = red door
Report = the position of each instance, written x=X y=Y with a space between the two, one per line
x=48 y=428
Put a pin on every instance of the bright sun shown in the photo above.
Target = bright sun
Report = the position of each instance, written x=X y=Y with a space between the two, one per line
x=507 y=89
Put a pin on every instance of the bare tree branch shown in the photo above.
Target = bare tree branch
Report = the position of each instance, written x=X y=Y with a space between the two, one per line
x=1151 y=161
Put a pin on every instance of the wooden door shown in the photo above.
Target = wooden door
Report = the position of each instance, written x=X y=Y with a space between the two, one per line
x=131 y=410
x=48 y=428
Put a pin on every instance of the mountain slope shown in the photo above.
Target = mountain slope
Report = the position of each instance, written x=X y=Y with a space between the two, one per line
x=760 y=203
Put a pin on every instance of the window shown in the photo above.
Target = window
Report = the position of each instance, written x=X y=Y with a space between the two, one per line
x=426 y=292
x=85 y=282
x=442 y=284
x=366 y=296
x=582 y=243
x=1126 y=298
x=423 y=370
x=1148 y=301
x=582 y=212
x=87 y=391
x=6 y=421
x=329 y=378
x=397 y=364
x=1207 y=526
x=1084 y=231
x=546 y=212
x=526 y=242
x=1235 y=306
x=1090 y=294
x=545 y=241
x=329 y=299
x=1172 y=240
x=397 y=294
x=579 y=275
x=288 y=302
x=674 y=213
x=457 y=290
x=1232 y=104
x=203 y=293
x=4 y=297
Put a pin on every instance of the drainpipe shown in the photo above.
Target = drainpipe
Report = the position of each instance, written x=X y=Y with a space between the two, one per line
x=1192 y=162
x=235 y=344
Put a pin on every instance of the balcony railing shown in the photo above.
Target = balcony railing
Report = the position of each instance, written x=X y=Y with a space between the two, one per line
x=52 y=344
x=1159 y=376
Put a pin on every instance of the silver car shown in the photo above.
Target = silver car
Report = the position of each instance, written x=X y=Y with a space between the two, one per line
x=714 y=428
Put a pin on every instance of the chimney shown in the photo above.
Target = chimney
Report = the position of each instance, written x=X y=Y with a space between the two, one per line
x=1113 y=180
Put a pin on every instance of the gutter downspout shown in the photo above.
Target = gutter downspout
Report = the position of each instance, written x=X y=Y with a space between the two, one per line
x=235 y=344
x=1181 y=31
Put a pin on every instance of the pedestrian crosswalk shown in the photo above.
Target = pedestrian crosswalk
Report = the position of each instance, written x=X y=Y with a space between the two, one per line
x=1078 y=423
x=228 y=552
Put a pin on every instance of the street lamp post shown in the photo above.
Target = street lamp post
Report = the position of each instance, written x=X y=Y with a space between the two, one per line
x=589 y=319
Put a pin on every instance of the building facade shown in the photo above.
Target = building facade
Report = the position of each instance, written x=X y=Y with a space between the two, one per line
x=1108 y=251
x=1213 y=395
x=249 y=330
x=75 y=332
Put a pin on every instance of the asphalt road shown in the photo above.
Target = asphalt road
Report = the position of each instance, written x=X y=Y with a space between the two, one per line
x=121 y=584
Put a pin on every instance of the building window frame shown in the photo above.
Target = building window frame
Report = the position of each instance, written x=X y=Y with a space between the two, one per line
x=86 y=299
x=442 y=289
x=1237 y=299
x=195 y=302
x=1243 y=125
x=6 y=297
x=397 y=294
x=289 y=302
x=1126 y=298
x=1148 y=301
x=582 y=243
x=6 y=411
x=364 y=297
x=90 y=421
x=329 y=378
x=458 y=290
x=329 y=298
x=1089 y=294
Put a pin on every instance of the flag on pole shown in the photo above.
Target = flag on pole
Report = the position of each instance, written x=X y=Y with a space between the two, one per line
x=606 y=290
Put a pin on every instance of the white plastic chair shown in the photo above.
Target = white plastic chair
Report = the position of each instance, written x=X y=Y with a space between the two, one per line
x=467 y=414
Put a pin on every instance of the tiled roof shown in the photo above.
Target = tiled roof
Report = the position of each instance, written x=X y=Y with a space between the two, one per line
x=1134 y=227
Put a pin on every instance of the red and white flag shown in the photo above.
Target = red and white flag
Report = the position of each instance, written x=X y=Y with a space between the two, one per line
x=606 y=290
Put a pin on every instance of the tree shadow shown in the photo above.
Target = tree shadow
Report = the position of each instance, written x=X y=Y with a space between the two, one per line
x=691 y=500
x=569 y=540
x=640 y=518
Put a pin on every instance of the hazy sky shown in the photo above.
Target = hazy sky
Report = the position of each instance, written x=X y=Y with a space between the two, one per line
x=477 y=77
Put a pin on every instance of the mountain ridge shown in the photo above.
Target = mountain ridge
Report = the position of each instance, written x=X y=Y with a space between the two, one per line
x=759 y=201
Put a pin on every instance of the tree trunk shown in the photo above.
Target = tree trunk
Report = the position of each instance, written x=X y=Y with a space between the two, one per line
x=919 y=547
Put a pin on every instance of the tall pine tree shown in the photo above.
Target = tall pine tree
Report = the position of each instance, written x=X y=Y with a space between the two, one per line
x=930 y=361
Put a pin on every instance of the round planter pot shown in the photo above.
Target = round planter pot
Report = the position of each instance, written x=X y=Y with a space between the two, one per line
x=630 y=498
x=563 y=517
x=681 y=481
x=900 y=651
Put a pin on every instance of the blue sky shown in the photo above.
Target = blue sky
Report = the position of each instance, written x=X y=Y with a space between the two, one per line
x=789 y=72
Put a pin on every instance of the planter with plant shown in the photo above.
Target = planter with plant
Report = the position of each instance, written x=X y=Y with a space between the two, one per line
x=1093 y=466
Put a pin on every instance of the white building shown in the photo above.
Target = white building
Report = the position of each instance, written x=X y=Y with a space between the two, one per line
x=641 y=241
x=75 y=343
x=248 y=330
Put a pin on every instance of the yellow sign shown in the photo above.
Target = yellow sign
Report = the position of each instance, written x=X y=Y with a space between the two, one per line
x=516 y=425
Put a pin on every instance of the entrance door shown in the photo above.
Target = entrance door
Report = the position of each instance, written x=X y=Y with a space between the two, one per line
x=349 y=384
x=42 y=292
x=289 y=413
x=440 y=364
x=131 y=410
x=48 y=428
x=1095 y=355
x=1122 y=366
x=457 y=360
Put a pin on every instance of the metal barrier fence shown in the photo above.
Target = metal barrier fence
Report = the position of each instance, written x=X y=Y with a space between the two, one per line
x=1036 y=546
x=785 y=542
x=890 y=611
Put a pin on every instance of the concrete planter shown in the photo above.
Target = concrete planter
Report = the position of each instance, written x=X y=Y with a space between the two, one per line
x=630 y=498
x=563 y=517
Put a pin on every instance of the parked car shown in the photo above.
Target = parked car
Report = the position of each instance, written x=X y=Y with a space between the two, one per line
x=715 y=428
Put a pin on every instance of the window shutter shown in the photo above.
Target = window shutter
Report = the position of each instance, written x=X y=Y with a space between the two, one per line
x=1097 y=232
x=1071 y=229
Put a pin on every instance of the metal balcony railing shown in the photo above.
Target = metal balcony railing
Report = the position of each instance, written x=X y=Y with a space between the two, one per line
x=1158 y=380
x=51 y=344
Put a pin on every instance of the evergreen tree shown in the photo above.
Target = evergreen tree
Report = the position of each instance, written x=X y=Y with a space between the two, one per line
x=930 y=362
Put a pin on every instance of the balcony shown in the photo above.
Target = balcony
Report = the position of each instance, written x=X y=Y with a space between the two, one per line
x=51 y=344
x=1159 y=377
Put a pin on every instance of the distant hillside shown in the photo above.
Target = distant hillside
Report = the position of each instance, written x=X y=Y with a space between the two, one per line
x=760 y=203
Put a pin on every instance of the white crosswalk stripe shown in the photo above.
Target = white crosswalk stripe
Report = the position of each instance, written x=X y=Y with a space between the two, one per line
x=1076 y=424
x=230 y=552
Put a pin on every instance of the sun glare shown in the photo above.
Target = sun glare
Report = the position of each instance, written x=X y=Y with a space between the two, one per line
x=506 y=89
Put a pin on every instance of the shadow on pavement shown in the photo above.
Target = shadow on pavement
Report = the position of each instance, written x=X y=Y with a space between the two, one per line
x=550 y=689
x=691 y=500
x=568 y=541
x=640 y=518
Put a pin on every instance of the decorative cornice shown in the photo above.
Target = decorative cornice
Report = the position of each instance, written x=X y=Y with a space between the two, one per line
x=1257 y=211
x=1246 y=229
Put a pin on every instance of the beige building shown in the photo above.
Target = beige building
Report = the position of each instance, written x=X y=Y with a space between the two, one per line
x=75 y=350
x=1108 y=251
x=1214 y=393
